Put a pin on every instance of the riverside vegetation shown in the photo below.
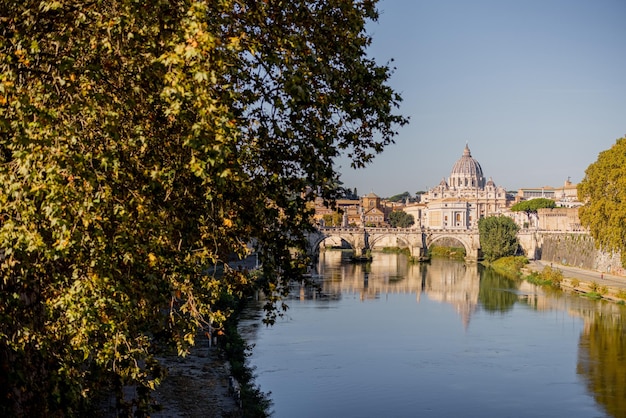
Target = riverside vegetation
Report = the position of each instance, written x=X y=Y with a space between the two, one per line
x=138 y=150
x=553 y=277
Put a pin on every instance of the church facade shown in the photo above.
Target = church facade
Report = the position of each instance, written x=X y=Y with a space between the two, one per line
x=461 y=200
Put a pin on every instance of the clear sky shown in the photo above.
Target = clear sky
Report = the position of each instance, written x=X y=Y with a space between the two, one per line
x=537 y=88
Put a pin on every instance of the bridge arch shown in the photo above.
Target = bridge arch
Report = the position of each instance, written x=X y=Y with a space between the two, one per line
x=332 y=241
x=385 y=237
x=417 y=240
x=448 y=242
x=469 y=240
x=352 y=236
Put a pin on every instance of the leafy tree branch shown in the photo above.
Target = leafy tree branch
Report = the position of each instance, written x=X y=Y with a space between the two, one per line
x=143 y=146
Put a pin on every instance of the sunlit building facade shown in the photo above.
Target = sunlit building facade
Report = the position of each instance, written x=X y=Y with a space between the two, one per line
x=464 y=198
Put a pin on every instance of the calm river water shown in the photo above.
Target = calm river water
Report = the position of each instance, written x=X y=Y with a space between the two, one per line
x=441 y=339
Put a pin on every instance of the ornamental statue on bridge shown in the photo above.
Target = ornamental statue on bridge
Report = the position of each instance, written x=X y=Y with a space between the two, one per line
x=459 y=202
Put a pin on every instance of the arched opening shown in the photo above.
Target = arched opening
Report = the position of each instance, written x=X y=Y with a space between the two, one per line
x=334 y=242
x=388 y=242
x=449 y=247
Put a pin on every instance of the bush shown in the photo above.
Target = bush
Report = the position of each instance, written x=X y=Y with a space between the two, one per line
x=457 y=253
x=510 y=266
x=552 y=276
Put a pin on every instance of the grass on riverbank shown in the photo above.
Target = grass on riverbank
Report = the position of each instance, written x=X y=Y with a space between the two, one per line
x=548 y=277
x=453 y=253
x=513 y=267
x=510 y=267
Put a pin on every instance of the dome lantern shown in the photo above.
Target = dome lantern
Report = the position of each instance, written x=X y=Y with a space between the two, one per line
x=467 y=173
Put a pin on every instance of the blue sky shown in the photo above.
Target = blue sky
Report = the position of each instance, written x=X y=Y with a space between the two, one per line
x=537 y=88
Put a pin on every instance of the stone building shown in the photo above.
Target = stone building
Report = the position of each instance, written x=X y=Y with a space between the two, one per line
x=564 y=196
x=374 y=211
x=369 y=210
x=560 y=219
x=464 y=198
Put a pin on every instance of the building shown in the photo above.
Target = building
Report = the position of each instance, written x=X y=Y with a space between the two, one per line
x=545 y=192
x=374 y=211
x=464 y=198
x=369 y=210
x=564 y=196
x=562 y=219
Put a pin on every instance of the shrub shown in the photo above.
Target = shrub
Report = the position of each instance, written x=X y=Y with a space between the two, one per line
x=593 y=295
x=552 y=276
x=510 y=266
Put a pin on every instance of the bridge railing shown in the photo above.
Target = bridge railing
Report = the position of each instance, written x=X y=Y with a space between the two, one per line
x=398 y=230
x=371 y=229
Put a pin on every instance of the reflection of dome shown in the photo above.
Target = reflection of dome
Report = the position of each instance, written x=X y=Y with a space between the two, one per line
x=467 y=173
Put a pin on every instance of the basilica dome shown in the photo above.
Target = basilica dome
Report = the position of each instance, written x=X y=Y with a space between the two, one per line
x=467 y=173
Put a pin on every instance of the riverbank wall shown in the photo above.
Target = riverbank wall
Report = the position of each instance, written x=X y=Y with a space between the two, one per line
x=577 y=249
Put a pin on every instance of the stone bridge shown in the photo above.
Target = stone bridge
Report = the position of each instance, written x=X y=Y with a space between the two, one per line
x=416 y=240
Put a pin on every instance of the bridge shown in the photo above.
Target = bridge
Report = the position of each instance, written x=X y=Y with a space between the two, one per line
x=416 y=240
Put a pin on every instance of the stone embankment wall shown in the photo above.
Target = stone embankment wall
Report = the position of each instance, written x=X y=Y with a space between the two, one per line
x=578 y=250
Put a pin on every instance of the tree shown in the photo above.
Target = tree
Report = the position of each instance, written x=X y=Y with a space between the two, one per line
x=400 y=197
x=498 y=237
x=401 y=219
x=143 y=145
x=333 y=219
x=603 y=192
x=531 y=206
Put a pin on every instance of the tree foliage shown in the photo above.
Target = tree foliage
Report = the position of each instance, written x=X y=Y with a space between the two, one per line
x=498 y=237
x=333 y=219
x=531 y=206
x=144 y=144
x=401 y=197
x=401 y=219
x=603 y=192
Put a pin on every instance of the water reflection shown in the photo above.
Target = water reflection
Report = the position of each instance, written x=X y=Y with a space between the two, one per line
x=497 y=293
x=601 y=361
x=461 y=285
x=510 y=341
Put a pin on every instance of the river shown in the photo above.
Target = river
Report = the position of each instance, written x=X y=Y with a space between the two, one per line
x=438 y=339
